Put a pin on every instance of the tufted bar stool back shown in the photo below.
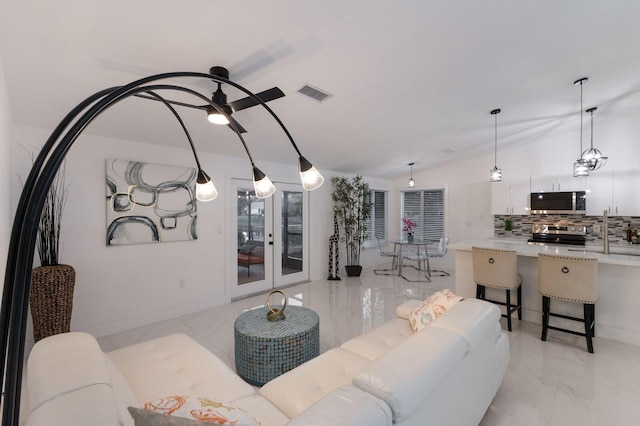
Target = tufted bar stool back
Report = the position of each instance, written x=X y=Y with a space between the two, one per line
x=571 y=279
x=498 y=268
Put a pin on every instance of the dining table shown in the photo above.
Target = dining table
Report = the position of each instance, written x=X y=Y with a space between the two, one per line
x=416 y=250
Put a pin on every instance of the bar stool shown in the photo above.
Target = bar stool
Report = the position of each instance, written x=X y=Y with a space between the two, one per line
x=498 y=268
x=572 y=279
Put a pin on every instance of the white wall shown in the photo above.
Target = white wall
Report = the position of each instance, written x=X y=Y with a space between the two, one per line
x=128 y=286
x=468 y=209
x=5 y=170
x=121 y=287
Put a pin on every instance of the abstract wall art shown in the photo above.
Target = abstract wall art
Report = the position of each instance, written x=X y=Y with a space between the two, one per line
x=149 y=203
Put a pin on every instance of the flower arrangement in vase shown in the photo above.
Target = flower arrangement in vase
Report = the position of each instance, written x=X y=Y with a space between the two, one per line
x=407 y=226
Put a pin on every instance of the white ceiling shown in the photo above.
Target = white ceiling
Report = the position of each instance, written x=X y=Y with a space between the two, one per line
x=412 y=81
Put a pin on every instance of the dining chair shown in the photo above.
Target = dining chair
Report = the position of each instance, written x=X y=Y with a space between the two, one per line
x=419 y=254
x=441 y=250
x=385 y=253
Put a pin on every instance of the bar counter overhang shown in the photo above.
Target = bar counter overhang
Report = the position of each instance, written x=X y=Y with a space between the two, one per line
x=617 y=308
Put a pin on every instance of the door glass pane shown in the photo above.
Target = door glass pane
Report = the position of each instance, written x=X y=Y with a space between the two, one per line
x=291 y=232
x=250 y=236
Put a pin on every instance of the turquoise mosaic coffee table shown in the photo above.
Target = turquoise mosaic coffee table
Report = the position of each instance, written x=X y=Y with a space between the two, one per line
x=266 y=349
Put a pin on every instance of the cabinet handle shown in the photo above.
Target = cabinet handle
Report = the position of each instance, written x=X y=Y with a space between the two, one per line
x=558 y=187
x=553 y=186
x=616 y=210
x=512 y=210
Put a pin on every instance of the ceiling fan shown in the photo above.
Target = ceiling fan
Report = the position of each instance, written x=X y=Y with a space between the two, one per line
x=220 y=99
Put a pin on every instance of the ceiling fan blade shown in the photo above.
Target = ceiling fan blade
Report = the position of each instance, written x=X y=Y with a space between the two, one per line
x=237 y=126
x=142 y=95
x=266 y=96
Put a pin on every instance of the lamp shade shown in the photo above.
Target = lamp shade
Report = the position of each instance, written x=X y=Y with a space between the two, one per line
x=594 y=158
x=580 y=168
x=309 y=175
x=495 y=175
x=216 y=117
x=205 y=189
x=262 y=184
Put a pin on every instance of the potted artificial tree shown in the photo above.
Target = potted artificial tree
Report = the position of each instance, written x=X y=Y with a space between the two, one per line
x=52 y=283
x=351 y=199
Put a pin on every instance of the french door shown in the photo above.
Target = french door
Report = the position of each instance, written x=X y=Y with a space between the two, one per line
x=269 y=245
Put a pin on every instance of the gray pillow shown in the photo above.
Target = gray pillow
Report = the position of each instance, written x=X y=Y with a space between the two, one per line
x=143 y=417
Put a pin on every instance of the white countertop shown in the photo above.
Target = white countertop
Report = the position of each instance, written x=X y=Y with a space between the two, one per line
x=620 y=255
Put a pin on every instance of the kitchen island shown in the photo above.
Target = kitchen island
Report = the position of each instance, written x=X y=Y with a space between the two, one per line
x=618 y=305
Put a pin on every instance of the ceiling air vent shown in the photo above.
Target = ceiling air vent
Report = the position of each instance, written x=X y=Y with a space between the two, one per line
x=314 y=93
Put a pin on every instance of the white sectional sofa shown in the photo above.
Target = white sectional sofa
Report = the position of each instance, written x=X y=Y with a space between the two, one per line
x=445 y=374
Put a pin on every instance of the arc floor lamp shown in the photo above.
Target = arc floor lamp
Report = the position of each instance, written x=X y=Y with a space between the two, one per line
x=15 y=298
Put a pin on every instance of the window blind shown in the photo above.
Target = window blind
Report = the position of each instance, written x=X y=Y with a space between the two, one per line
x=377 y=222
x=426 y=209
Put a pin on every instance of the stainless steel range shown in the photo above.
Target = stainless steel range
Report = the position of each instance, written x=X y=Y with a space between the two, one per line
x=559 y=233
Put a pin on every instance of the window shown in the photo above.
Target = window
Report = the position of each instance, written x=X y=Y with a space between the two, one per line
x=426 y=208
x=377 y=222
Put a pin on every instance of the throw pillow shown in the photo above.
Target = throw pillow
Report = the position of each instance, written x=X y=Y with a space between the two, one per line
x=432 y=307
x=199 y=410
x=143 y=417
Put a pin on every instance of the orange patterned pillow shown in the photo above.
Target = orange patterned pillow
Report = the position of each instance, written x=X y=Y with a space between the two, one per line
x=203 y=410
x=432 y=307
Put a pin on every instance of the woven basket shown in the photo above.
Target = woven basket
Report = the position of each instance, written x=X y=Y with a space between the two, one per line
x=51 y=299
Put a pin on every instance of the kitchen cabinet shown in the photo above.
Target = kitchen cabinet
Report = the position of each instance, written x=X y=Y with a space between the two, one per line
x=557 y=183
x=510 y=196
x=599 y=193
x=626 y=193
x=617 y=192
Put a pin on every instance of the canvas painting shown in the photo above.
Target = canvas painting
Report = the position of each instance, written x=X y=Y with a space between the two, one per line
x=149 y=203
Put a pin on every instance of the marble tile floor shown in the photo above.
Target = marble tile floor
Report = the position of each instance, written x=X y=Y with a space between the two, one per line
x=547 y=383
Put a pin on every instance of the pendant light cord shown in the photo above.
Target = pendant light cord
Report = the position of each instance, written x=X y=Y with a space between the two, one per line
x=591 y=110
x=580 y=154
x=495 y=148
x=495 y=113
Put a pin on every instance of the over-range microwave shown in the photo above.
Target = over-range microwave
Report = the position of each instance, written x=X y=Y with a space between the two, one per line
x=558 y=202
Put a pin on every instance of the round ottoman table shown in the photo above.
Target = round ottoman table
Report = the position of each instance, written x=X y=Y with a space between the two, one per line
x=266 y=349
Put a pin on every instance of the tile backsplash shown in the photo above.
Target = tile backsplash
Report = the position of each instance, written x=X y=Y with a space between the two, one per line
x=522 y=225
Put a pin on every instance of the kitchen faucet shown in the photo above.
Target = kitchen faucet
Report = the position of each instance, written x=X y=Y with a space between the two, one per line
x=605 y=233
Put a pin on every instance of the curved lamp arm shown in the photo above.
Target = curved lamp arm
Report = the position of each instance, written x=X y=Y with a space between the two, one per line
x=14 y=308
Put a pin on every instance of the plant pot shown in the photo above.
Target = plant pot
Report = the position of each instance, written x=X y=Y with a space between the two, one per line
x=353 y=270
x=51 y=299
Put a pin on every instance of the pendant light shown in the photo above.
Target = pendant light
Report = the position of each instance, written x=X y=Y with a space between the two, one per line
x=495 y=174
x=593 y=156
x=581 y=166
x=412 y=182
